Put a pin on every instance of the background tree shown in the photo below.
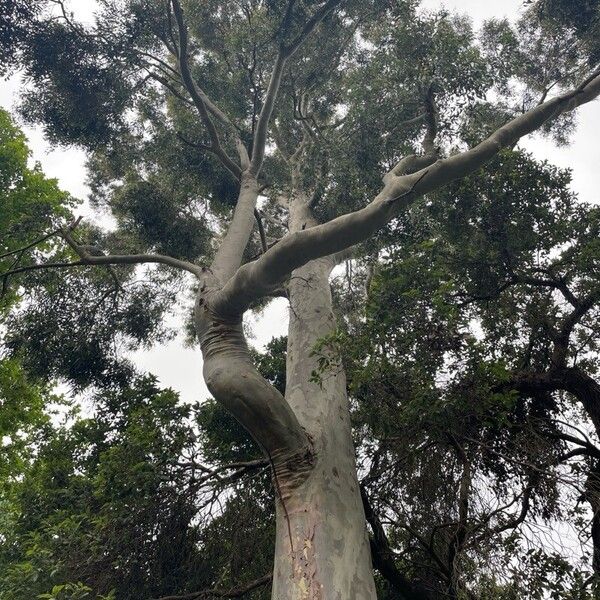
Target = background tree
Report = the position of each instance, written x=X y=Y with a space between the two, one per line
x=455 y=363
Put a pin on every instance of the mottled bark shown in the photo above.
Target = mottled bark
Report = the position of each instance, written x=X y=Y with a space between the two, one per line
x=322 y=547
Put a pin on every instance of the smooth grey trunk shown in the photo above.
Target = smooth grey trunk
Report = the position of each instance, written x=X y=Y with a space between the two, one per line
x=228 y=368
x=322 y=548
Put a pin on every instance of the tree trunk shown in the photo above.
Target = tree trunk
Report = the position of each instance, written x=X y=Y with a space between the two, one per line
x=592 y=494
x=587 y=390
x=322 y=548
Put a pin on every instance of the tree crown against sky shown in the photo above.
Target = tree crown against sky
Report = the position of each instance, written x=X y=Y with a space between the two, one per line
x=243 y=143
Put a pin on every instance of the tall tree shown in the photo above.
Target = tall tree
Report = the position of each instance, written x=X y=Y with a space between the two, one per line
x=191 y=110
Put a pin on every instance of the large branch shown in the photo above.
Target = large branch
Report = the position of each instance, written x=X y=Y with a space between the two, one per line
x=557 y=284
x=285 y=52
x=254 y=280
x=563 y=336
x=112 y=259
x=229 y=255
x=88 y=258
x=231 y=249
x=581 y=309
x=200 y=99
x=262 y=126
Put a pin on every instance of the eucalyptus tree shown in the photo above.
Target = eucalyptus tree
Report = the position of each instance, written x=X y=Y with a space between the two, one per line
x=191 y=112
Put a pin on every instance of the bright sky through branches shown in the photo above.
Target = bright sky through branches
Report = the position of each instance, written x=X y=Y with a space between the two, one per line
x=180 y=367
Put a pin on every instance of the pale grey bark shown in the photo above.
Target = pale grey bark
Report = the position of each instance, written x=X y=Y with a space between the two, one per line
x=258 y=278
x=128 y=259
x=322 y=547
x=228 y=369
x=233 y=380
x=231 y=249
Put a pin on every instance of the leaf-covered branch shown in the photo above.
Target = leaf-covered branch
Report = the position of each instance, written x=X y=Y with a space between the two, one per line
x=254 y=280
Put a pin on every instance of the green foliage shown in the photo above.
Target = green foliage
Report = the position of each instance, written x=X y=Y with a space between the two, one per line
x=32 y=205
x=453 y=311
x=146 y=211
x=271 y=363
x=112 y=507
x=22 y=402
x=583 y=16
x=79 y=92
x=73 y=320
x=15 y=22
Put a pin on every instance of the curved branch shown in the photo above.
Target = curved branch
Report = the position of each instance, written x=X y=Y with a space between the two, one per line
x=126 y=259
x=254 y=280
x=59 y=265
x=581 y=308
x=199 y=98
x=557 y=284
x=137 y=259
x=31 y=245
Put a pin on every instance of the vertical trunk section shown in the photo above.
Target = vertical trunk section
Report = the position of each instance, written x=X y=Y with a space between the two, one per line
x=322 y=547
x=587 y=390
x=592 y=494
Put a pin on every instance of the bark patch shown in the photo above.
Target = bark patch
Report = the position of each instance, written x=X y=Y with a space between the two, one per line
x=291 y=471
x=305 y=569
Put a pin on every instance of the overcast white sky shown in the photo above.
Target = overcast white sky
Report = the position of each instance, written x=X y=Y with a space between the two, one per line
x=179 y=367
